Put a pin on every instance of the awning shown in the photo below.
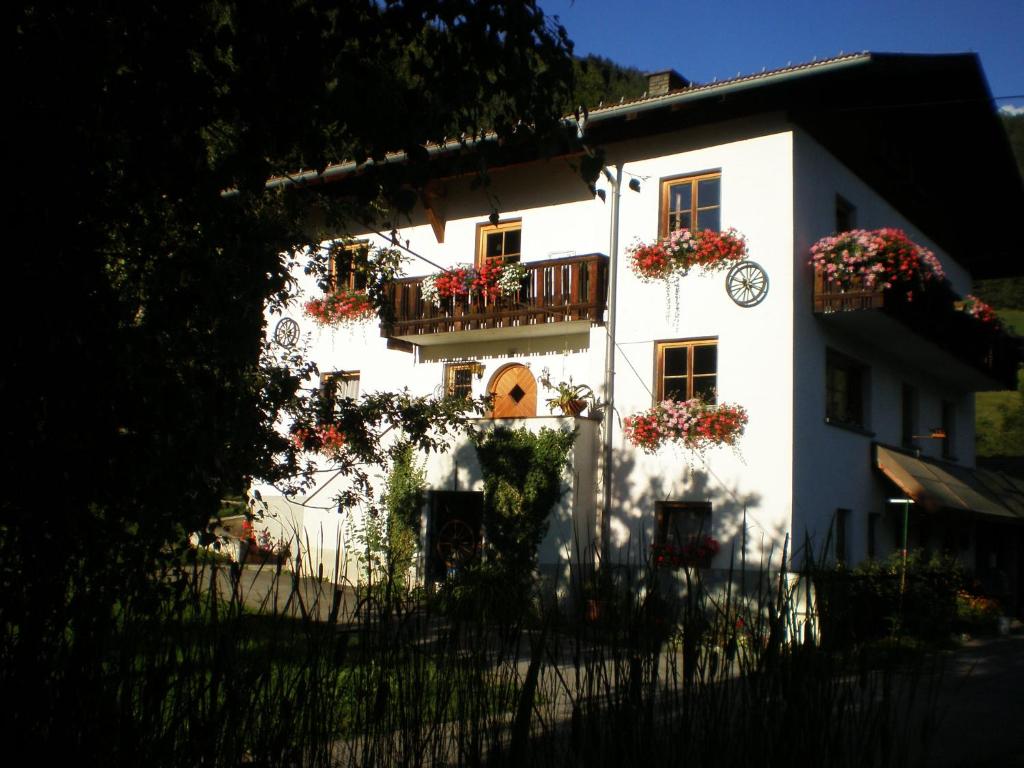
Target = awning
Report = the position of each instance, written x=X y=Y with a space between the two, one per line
x=937 y=485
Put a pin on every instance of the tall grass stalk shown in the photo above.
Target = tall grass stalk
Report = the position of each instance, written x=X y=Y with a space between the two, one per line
x=679 y=668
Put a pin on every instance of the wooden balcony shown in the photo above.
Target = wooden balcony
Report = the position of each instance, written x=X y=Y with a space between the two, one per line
x=927 y=332
x=557 y=297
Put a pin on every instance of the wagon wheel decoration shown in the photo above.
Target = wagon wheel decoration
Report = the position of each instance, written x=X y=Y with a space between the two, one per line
x=456 y=544
x=286 y=334
x=747 y=283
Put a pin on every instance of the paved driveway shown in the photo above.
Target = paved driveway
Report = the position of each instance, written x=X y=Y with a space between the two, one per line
x=980 y=706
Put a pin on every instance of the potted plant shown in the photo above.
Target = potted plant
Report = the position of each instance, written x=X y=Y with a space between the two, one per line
x=571 y=399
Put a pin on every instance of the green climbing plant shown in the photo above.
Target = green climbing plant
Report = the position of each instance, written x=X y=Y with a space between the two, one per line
x=522 y=474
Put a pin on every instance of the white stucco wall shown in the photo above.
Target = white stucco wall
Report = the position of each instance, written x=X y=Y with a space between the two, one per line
x=791 y=470
x=754 y=356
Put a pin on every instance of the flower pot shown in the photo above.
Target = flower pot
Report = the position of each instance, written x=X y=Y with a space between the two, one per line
x=573 y=407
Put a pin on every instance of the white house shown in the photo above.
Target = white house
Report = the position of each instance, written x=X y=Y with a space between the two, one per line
x=846 y=403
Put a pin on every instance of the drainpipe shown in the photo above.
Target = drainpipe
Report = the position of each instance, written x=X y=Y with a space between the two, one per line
x=604 y=528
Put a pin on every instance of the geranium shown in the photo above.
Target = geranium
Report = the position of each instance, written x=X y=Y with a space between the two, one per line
x=683 y=250
x=694 y=423
x=880 y=258
x=488 y=282
x=980 y=311
x=262 y=544
x=342 y=307
x=456 y=283
x=323 y=438
x=697 y=552
x=485 y=284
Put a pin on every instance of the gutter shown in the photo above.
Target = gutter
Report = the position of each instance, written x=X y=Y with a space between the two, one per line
x=604 y=527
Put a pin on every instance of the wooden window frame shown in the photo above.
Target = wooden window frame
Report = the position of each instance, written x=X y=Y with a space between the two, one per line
x=329 y=391
x=358 y=255
x=837 y=360
x=483 y=230
x=693 y=179
x=450 y=370
x=846 y=215
x=663 y=510
x=659 y=364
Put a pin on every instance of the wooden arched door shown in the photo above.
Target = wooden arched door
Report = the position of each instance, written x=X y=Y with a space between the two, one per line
x=515 y=393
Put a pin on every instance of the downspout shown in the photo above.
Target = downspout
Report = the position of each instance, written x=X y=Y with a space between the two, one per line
x=604 y=528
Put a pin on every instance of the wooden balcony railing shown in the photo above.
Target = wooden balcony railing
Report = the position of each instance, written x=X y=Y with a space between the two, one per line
x=830 y=298
x=553 y=291
x=932 y=315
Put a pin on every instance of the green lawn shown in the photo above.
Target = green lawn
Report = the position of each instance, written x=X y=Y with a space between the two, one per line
x=1013 y=319
x=999 y=416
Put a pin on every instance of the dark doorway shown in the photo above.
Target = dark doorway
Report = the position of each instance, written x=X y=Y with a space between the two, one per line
x=455 y=531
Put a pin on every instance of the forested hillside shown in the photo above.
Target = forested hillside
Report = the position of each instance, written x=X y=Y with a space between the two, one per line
x=999 y=416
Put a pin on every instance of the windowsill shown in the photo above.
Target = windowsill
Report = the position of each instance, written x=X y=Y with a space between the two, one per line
x=855 y=428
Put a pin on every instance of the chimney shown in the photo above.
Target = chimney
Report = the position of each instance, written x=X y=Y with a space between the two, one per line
x=666 y=81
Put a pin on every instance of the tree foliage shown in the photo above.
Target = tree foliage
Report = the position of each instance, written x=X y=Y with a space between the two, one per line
x=141 y=391
x=131 y=120
x=602 y=81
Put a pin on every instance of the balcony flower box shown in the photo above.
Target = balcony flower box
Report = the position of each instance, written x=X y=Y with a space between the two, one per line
x=341 y=308
x=485 y=284
x=695 y=424
x=697 y=553
x=683 y=250
x=323 y=438
x=863 y=261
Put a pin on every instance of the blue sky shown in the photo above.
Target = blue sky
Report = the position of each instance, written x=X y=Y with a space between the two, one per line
x=718 y=39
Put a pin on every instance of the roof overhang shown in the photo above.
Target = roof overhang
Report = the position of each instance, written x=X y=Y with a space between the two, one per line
x=939 y=486
x=922 y=130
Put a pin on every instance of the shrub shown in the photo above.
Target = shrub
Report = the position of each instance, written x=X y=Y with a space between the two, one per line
x=877 y=600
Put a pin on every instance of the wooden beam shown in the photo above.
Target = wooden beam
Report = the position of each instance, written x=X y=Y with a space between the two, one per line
x=434 y=197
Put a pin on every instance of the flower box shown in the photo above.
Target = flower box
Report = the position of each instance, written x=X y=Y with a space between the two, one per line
x=683 y=250
x=697 y=553
x=694 y=423
x=341 y=308
x=866 y=262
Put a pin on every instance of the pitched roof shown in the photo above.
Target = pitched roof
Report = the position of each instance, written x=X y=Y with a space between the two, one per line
x=904 y=123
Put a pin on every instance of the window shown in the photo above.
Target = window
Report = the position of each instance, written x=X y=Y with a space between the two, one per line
x=948 y=422
x=686 y=369
x=845 y=386
x=458 y=379
x=908 y=400
x=841 y=546
x=334 y=387
x=691 y=202
x=348 y=264
x=846 y=214
x=873 y=519
x=682 y=522
x=499 y=241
